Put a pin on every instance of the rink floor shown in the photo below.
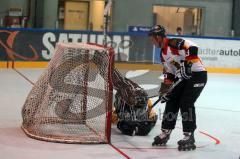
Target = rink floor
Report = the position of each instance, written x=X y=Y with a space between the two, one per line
x=217 y=135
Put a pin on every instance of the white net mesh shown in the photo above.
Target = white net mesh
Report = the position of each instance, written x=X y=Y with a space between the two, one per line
x=71 y=101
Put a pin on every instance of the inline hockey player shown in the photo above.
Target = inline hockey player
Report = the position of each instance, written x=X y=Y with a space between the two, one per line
x=180 y=62
x=132 y=107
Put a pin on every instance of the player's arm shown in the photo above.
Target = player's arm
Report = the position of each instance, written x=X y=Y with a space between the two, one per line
x=191 y=56
x=190 y=48
x=191 y=52
x=168 y=81
x=129 y=91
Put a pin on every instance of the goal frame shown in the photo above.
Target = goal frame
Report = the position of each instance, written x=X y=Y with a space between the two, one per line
x=108 y=109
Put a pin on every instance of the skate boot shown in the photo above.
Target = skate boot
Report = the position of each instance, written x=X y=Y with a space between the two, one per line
x=187 y=143
x=162 y=139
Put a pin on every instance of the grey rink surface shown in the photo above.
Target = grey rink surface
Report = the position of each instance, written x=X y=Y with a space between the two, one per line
x=217 y=135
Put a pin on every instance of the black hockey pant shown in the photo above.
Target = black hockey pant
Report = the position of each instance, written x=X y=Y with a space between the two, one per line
x=183 y=97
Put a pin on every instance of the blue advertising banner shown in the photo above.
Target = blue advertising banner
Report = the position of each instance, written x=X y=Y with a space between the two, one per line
x=139 y=29
x=39 y=45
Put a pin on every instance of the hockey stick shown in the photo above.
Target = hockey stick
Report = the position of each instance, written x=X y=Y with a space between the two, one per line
x=153 y=96
x=157 y=95
x=159 y=99
x=171 y=88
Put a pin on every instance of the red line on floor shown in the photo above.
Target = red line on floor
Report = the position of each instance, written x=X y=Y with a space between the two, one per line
x=119 y=151
x=152 y=148
x=217 y=141
x=23 y=76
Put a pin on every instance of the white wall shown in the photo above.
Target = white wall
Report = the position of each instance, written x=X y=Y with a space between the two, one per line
x=220 y=53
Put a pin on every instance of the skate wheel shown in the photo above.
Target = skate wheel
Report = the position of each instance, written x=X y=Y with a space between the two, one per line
x=194 y=147
x=180 y=148
x=155 y=144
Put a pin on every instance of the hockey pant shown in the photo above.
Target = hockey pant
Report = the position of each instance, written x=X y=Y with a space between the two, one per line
x=182 y=98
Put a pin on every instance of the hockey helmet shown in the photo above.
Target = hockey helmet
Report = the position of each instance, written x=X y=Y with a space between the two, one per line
x=157 y=30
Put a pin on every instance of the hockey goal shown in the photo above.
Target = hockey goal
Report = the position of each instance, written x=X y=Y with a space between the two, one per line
x=72 y=100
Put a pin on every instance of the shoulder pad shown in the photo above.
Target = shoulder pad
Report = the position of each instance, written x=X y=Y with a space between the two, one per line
x=176 y=43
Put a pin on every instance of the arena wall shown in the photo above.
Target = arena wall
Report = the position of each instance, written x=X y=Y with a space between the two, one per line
x=34 y=48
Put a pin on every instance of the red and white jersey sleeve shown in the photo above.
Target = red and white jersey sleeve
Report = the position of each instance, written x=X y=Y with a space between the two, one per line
x=175 y=50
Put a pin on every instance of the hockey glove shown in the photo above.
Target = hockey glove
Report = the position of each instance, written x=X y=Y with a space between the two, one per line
x=164 y=88
x=164 y=91
x=185 y=71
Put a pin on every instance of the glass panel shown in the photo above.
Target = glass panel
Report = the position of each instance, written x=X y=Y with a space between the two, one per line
x=188 y=20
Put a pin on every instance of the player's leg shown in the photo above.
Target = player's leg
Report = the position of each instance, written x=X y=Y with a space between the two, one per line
x=169 y=116
x=192 y=91
x=187 y=143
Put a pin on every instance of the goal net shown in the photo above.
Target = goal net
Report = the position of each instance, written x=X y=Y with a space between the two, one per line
x=72 y=100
